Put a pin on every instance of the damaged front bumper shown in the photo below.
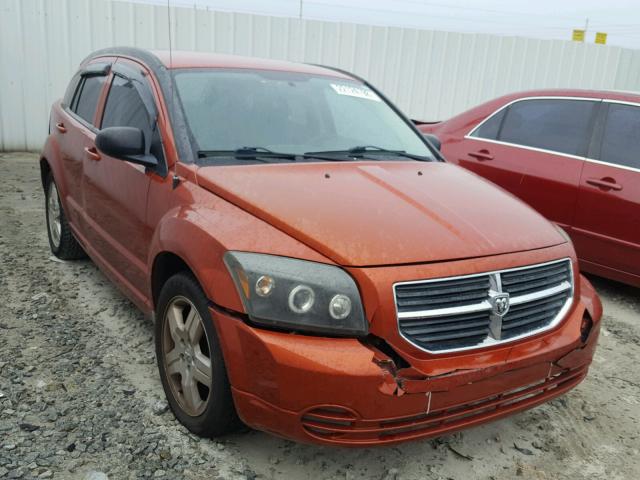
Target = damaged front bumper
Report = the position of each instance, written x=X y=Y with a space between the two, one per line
x=348 y=392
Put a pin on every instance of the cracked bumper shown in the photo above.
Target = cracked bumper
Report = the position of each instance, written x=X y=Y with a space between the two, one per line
x=341 y=391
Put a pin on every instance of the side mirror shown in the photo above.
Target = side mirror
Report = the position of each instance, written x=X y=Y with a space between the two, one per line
x=125 y=143
x=433 y=140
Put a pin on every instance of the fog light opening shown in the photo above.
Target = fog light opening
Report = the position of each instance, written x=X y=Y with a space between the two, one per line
x=585 y=328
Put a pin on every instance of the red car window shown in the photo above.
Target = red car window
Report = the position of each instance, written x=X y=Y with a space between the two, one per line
x=124 y=107
x=552 y=124
x=621 y=139
x=490 y=128
x=86 y=99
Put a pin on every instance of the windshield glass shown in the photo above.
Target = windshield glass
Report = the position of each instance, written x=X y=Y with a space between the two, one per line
x=287 y=112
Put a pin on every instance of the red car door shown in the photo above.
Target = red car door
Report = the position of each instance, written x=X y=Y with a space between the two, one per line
x=482 y=154
x=535 y=148
x=558 y=131
x=607 y=223
x=115 y=190
x=73 y=127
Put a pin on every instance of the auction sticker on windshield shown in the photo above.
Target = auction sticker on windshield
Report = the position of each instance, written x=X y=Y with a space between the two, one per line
x=353 y=91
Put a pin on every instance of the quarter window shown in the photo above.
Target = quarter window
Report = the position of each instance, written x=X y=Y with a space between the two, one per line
x=85 y=101
x=621 y=137
x=71 y=90
x=491 y=127
x=558 y=125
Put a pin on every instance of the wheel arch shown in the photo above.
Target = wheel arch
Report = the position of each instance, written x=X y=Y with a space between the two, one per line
x=196 y=238
x=184 y=240
x=49 y=163
x=165 y=265
x=45 y=170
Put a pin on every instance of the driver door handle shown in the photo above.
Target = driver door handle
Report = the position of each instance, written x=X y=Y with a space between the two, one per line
x=481 y=155
x=61 y=128
x=92 y=153
x=606 y=183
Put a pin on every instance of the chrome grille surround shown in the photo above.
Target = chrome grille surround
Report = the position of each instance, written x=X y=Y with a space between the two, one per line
x=496 y=330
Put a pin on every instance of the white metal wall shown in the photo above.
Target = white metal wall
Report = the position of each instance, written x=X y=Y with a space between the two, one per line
x=431 y=75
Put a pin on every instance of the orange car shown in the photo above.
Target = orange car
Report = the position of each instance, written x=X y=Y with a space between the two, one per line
x=313 y=268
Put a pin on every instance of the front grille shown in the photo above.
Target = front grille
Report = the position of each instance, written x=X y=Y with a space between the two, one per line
x=532 y=315
x=529 y=280
x=483 y=309
x=448 y=331
x=448 y=293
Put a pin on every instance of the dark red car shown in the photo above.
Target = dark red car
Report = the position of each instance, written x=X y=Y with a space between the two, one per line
x=574 y=155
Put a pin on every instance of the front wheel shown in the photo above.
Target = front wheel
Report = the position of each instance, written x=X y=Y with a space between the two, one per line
x=61 y=240
x=190 y=361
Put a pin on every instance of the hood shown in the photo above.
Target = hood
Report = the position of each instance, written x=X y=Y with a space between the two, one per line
x=384 y=213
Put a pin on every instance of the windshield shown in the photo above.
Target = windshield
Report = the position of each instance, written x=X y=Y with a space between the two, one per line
x=231 y=110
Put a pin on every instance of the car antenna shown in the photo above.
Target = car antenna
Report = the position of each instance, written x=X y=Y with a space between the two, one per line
x=175 y=178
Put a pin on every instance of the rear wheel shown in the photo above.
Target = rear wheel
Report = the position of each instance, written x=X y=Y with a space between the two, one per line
x=190 y=361
x=61 y=240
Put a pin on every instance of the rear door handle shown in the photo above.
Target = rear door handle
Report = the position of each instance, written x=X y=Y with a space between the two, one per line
x=481 y=155
x=92 y=153
x=61 y=128
x=606 y=183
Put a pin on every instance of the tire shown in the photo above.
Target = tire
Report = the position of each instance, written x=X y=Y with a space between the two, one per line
x=181 y=350
x=61 y=240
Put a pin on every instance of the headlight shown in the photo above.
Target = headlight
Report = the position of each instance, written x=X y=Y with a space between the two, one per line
x=297 y=294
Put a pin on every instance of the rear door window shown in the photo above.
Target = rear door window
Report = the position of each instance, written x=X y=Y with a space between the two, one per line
x=85 y=101
x=558 y=125
x=621 y=136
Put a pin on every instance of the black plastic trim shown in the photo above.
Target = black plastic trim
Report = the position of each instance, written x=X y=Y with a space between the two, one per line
x=96 y=70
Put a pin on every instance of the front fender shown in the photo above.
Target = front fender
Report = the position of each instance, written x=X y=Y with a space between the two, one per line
x=203 y=230
x=185 y=233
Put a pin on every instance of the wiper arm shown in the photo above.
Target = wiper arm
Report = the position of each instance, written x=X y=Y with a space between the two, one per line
x=369 y=148
x=264 y=152
x=361 y=150
x=260 y=153
x=247 y=153
x=372 y=148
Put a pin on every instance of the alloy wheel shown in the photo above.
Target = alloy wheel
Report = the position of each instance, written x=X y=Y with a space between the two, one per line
x=186 y=356
x=54 y=215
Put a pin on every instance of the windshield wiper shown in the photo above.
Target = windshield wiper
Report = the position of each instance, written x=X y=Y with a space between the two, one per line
x=261 y=153
x=247 y=153
x=361 y=150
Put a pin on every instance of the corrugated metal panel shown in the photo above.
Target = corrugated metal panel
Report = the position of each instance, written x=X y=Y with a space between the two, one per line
x=431 y=75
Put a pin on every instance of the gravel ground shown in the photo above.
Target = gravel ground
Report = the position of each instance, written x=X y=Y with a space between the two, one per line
x=80 y=395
